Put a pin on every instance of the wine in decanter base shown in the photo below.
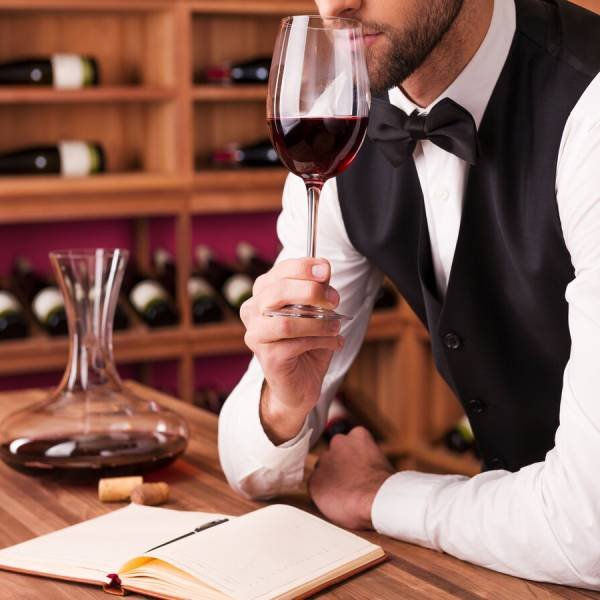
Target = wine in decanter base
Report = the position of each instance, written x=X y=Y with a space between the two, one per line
x=91 y=424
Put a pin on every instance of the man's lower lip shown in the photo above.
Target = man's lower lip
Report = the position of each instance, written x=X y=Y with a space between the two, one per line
x=370 y=39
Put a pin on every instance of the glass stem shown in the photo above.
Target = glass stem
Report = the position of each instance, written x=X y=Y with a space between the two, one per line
x=314 y=194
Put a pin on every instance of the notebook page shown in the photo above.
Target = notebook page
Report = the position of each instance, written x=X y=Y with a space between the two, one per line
x=265 y=553
x=91 y=549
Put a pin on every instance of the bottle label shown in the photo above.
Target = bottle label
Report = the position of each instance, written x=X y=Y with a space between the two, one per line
x=46 y=302
x=8 y=304
x=68 y=71
x=146 y=292
x=199 y=288
x=76 y=159
x=237 y=289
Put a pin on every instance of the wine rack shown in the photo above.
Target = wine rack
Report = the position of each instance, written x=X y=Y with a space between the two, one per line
x=159 y=123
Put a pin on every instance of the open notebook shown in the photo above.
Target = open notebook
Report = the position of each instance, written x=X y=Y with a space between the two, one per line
x=274 y=552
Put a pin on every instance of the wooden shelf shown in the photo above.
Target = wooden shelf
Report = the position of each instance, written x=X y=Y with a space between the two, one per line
x=229 y=93
x=32 y=199
x=42 y=353
x=440 y=460
x=256 y=7
x=237 y=190
x=101 y=94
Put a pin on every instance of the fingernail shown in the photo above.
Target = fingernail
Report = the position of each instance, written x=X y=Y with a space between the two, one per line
x=319 y=271
x=331 y=295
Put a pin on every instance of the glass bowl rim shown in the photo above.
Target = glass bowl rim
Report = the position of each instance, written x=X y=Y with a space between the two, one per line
x=356 y=24
x=87 y=252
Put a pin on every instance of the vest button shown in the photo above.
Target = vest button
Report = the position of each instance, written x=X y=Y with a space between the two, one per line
x=475 y=406
x=495 y=463
x=452 y=341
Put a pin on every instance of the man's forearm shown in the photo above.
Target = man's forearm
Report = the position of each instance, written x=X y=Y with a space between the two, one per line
x=279 y=422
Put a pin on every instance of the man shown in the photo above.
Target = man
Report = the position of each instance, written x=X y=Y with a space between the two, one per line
x=492 y=234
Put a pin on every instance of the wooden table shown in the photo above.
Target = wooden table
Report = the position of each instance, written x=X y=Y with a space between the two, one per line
x=31 y=507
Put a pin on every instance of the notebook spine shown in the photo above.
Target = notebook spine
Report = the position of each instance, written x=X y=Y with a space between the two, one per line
x=112 y=585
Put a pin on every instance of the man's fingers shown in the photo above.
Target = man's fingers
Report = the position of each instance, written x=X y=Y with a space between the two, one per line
x=309 y=269
x=274 y=329
x=295 y=291
x=277 y=354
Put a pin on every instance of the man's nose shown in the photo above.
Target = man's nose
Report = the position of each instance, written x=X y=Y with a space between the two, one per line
x=338 y=8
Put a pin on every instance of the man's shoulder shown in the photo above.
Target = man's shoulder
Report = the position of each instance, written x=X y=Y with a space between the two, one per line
x=564 y=30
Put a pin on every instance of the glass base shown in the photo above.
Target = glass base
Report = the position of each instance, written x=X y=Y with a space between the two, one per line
x=305 y=311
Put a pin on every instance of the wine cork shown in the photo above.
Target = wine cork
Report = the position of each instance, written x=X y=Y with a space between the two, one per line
x=117 y=489
x=151 y=494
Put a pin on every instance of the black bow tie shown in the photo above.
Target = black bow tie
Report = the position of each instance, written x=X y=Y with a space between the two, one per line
x=448 y=125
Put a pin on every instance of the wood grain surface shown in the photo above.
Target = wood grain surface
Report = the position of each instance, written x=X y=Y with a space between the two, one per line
x=30 y=507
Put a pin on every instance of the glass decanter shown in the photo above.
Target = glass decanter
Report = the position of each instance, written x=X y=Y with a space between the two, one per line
x=91 y=423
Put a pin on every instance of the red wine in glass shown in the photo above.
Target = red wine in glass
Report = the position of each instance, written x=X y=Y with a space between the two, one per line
x=317 y=148
x=317 y=113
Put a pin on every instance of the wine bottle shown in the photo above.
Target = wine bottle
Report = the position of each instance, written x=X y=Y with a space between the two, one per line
x=166 y=270
x=236 y=290
x=149 y=299
x=67 y=158
x=339 y=420
x=64 y=71
x=251 y=71
x=250 y=262
x=261 y=154
x=45 y=299
x=205 y=305
x=13 y=323
x=460 y=438
x=386 y=297
x=209 y=268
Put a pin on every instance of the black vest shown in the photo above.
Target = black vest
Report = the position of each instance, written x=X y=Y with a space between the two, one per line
x=500 y=337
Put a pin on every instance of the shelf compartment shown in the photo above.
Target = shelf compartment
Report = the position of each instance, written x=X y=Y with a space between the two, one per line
x=135 y=137
x=134 y=46
x=100 y=94
x=229 y=93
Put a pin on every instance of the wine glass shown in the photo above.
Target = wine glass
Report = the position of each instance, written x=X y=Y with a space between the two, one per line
x=317 y=112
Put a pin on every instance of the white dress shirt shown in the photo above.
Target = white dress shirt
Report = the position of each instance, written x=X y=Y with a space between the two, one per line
x=542 y=522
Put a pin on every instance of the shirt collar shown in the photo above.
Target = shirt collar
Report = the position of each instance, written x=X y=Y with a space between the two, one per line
x=473 y=88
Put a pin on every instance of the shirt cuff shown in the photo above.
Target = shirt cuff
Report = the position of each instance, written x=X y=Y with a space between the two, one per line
x=400 y=506
x=288 y=457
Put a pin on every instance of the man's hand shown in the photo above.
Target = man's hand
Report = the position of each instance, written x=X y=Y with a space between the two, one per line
x=347 y=478
x=294 y=353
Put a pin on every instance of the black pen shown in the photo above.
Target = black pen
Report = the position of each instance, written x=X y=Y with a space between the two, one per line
x=197 y=530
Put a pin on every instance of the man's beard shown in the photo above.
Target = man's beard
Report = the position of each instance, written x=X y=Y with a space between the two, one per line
x=408 y=49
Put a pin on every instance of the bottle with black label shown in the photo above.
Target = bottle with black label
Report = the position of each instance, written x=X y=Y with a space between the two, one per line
x=261 y=154
x=68 y=158
x=254 y=71
x=63 y=71
x=13 y=323
x=460 y=438
x=205 y=305
x=250 y=262
x=45 y=299
x=149 y=298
